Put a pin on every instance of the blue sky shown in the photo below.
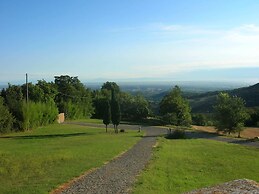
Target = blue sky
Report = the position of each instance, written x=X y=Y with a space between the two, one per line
x=152 y=40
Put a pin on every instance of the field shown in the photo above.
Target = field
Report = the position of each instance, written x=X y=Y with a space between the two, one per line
x=184 y=165
x=249 y=132
x=40 y=160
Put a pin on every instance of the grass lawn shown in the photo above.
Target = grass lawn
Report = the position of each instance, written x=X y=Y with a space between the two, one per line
x=184 y=165
x=40 y=160
x=95 y=121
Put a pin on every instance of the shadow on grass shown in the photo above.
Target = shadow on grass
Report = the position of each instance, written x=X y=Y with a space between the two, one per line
x=45 y=136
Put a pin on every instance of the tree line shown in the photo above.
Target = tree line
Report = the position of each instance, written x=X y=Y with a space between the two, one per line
x=68 y=95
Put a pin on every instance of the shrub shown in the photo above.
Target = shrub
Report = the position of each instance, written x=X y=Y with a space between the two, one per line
x=38 y=114
x=176 y=134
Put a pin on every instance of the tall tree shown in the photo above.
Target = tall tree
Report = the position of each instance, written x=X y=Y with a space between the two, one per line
x=13 y=99
x=107 y=114
x=230 y=113
x=115 y=112
x=73 y=98
x=174 y=105
x=112 y=86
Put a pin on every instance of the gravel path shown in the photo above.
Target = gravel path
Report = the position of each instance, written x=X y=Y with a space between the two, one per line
x=118 y=175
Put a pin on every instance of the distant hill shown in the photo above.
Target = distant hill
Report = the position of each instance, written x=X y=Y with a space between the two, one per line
x=204 y=102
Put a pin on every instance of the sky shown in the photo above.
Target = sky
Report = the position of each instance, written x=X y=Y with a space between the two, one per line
x=130 y=40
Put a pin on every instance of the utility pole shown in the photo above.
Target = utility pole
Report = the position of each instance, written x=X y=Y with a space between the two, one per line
x=27 y=89
x=27 y=100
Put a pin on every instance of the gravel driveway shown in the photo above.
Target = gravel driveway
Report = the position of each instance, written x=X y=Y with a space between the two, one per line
x=118 y=175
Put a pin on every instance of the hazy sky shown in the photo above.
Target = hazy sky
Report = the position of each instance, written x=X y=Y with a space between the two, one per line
x=102 y=40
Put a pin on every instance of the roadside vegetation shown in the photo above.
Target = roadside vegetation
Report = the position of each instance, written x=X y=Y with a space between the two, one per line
x=38 y=161
x=183 y=165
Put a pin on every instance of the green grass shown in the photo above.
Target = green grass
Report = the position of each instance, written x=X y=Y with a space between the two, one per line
x=95 y=121
x=40 y=160
x=184 y=165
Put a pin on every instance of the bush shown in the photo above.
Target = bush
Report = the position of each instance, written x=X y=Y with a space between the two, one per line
x=6 y=118
x=176 y=134
x=38 y=114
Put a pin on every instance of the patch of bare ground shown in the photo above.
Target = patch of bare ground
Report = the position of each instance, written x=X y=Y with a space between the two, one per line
x=249 y=132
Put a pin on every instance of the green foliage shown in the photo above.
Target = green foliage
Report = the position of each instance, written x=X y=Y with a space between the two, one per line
x=99 y=101
x=13 y=99
x=253 y=120
x=36 y=94
x=107 y=114
x=230 y=113
x=176 y=134
x=115 y=112
x=174 y=104
x=134 y=107
x=39 y=161
x=179 y=166
x=73 y=98
x=199 y=119
x=170 y=118
x=49 y=90
x=111 y=86
x=6 y=118
x=38 y=114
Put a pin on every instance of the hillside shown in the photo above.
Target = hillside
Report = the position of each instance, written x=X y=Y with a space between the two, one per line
x=204 y=102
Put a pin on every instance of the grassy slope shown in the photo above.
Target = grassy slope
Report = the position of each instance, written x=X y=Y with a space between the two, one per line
x=183 y=165
x=39 y=161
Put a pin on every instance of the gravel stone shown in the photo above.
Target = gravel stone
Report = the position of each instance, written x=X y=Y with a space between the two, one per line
x=240 y=186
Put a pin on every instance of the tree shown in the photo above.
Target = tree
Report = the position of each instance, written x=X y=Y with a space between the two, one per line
x=199 y=119
x=112 y=86
x=115 y=112
x=13 y=99
x=36 y=94
x=100 y=97
x=230 y=113
x=177 y=106
x=6 y=118
x=134 y=107
x=107 y=114
x=73 y=98
x=49 y=89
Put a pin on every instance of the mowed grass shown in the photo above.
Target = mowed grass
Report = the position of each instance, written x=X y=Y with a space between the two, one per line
x=40 y=160
x=95 y=121
x=184 y=165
